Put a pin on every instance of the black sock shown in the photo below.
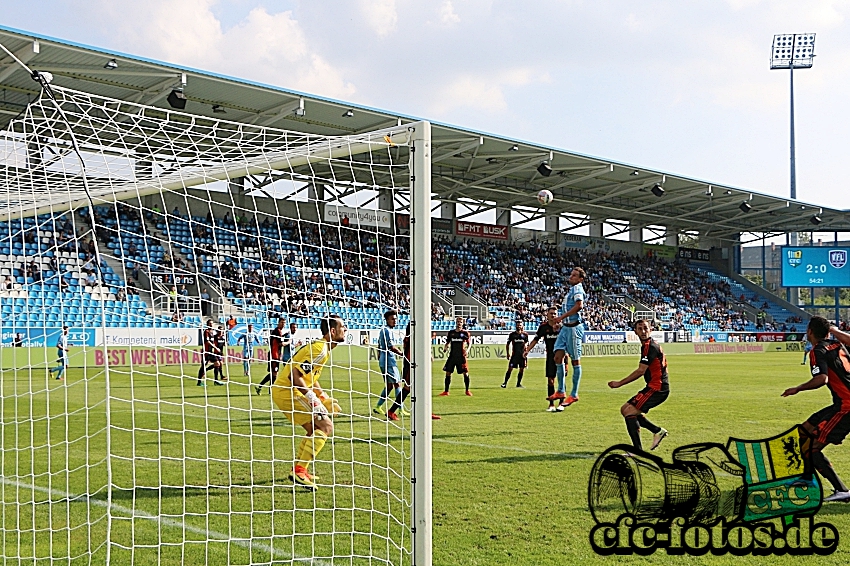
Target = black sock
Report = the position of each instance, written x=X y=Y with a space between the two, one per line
x=265 y=380
x=806 y=441
x=825 y=469
x=397 y=405
x=201 y=374
x=644 y=423
x=466 y=381
x=507 y=376
x=550 y=389
x=634 y=431
x=448 y=382
x=519 y=378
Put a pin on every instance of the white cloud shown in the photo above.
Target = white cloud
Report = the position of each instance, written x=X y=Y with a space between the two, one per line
x=447 y=14
x=484 y=91
x=269 y=48
x=381 y=15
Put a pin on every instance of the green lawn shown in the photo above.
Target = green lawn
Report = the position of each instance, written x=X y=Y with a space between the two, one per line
x=189 y=465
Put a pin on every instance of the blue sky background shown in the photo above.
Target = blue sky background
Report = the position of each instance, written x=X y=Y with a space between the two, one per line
x=678 y=86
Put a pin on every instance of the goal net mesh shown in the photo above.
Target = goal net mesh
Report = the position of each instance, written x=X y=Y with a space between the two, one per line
x=134 y=226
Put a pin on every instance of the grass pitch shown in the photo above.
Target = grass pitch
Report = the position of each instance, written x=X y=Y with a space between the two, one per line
x=191 y=464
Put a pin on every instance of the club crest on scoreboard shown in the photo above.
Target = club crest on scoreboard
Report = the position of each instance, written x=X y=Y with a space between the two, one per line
x=837 y=258
x=795 y=257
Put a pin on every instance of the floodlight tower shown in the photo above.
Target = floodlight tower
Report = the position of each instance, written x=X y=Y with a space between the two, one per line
x=793 y=51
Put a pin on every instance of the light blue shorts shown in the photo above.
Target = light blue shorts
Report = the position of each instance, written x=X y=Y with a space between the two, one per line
x=569 y=340
x=391 y=374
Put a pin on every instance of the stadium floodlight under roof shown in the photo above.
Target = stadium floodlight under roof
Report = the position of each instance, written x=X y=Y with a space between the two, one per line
x=795 y=50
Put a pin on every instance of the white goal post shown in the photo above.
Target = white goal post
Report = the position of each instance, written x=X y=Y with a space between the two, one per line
x=130 y=433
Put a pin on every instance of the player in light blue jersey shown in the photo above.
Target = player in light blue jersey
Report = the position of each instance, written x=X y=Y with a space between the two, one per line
x=248 y=340
x=569 y=339
x=387 y=362
x=61 y=354
x=806 y=349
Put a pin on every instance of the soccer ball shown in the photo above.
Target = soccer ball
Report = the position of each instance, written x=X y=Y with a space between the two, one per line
x=544 y=197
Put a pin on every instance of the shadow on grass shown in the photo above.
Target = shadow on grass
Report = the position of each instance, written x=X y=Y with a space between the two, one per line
x=526 y=458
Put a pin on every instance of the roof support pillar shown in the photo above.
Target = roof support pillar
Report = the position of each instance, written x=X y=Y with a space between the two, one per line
x=635 y=232
x=596 y=225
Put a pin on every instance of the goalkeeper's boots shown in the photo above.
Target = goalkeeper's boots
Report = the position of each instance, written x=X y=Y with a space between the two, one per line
x=556 y=395
x=302 y=477
x=393 y=417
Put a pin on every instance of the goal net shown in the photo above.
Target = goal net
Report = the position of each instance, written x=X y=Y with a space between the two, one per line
x=157 y=265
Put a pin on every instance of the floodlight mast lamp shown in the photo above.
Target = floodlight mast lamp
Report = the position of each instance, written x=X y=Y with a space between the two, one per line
x=793 y=51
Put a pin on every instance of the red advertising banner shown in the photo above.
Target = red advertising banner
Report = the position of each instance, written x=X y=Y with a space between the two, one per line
x=770 y=336
x=476 y=230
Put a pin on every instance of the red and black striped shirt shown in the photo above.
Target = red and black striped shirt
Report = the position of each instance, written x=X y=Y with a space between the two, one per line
x=652 y=355
x=275 y=343
x=831 y=358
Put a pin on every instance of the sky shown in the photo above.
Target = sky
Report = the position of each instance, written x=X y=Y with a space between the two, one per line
x=680 y=87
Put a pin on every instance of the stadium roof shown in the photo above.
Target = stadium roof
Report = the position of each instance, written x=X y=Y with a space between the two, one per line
x=482 y=171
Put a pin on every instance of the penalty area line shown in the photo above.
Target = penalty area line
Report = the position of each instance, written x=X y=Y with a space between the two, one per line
x=165 y=521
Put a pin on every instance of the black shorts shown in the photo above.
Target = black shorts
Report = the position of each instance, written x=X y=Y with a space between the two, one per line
x=831 y=424
x=456 y=363
x=647 y=399
x=551 y=370
x=518 y=362
x=274 y=366
x=209 y=357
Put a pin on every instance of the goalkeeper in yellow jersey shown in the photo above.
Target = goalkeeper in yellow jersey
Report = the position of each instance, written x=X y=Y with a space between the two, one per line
x=297 y=393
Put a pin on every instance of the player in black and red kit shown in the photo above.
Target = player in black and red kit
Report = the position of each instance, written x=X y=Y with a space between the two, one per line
x=220 y=343
x=653 y=368
x=830 y=364
x=548 y=332
x=208 y=340
x=516 y=354
x=457 y=341
x=275 y=354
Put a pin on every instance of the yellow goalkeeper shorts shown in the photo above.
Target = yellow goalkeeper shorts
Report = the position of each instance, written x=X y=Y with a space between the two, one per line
x=295 y=406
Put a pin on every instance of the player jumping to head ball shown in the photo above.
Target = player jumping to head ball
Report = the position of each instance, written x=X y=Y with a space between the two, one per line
x=569 y=339
x=653 y=368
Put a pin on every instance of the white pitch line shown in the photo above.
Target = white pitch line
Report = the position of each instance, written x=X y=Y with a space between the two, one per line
x=136 y=514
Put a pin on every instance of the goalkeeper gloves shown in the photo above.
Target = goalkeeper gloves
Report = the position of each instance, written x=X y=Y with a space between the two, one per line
x=316 y=406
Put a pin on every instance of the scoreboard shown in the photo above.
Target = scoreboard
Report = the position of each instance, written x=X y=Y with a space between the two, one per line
x=820 y=266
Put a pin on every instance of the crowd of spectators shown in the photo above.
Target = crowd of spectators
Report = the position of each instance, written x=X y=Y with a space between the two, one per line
x=292 y=266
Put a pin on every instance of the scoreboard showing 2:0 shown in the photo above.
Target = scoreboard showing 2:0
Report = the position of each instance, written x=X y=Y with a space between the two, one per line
x=819 y=266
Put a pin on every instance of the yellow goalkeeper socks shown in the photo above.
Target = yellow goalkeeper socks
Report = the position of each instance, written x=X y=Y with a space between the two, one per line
x=310 y=448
